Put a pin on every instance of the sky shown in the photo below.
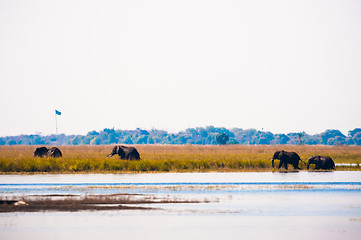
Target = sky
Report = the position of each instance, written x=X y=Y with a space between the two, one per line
x=281 y=66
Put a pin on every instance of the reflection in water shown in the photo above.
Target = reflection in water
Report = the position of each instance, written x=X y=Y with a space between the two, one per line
x=347 y=164
x=209 y=205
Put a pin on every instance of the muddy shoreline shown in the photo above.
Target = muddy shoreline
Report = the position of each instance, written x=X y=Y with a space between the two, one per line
x=73 y=203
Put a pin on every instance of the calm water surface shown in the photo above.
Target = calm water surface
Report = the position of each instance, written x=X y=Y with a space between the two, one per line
x=251 y=205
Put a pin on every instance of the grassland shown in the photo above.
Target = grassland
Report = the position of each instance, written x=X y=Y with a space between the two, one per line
x=166 y=158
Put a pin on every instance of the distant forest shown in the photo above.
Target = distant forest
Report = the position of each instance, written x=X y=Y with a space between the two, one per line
x=201 y=136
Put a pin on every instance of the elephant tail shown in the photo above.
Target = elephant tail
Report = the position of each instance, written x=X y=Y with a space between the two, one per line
x=303 y=162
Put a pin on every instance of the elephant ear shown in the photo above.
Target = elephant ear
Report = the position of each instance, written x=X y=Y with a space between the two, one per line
x=276 y=154
x=281 y=153
x=115 y=150
x=120 y=149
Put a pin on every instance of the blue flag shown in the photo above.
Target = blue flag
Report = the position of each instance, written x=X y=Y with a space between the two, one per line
x=57 y=112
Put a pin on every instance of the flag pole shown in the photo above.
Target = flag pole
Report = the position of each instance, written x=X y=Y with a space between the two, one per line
x=56 y=120
x=56 y=123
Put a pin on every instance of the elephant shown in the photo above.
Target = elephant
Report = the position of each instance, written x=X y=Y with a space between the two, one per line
x=124 y=152
x=287 y=158
x=321 y=162
x=40 y=152
x=54 y=152
x=51 y=152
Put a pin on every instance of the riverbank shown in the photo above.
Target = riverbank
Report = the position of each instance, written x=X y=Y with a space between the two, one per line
x=169 y=158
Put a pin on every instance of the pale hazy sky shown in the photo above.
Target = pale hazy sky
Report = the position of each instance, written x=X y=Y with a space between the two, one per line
x=284 y=66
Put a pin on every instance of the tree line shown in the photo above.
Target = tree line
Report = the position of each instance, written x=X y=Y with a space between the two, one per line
x=199 y=136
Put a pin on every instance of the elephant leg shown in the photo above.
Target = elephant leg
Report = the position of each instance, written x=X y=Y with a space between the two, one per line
x=280 y=164
x=286 y=165
x=122 y=155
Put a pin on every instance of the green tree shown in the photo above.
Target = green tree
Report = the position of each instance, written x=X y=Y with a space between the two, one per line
x=328 y=137
x=112 y=139
x=95 y=141
x=280 y=139
x=357 y=138
x=233 y=141
x=93 y=133
x=150 y=140
x=352 y=133
x=300 y=136
x=142 y=140
x=222 y=138
x=11 y=142
x=339 y=140
x=128 y=140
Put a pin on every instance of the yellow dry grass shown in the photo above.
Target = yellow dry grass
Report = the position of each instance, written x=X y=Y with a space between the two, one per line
x=166 y=158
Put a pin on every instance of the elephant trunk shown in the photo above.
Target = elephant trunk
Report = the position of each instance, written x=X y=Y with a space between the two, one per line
x=308 y=166
x=273 y=160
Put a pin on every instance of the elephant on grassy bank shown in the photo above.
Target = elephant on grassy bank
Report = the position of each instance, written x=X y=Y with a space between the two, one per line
x=129 y=153
x=40 y=152
x=286 y=158
x=45 y=152
x=54 y=152
x=321 y=162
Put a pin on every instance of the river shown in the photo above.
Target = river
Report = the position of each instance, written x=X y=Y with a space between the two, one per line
x=254 y=205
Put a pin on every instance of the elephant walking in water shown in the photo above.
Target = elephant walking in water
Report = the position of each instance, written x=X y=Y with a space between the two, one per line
x=124 y=152
x=321 y=162
x=286 y=158
x=43 y=151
